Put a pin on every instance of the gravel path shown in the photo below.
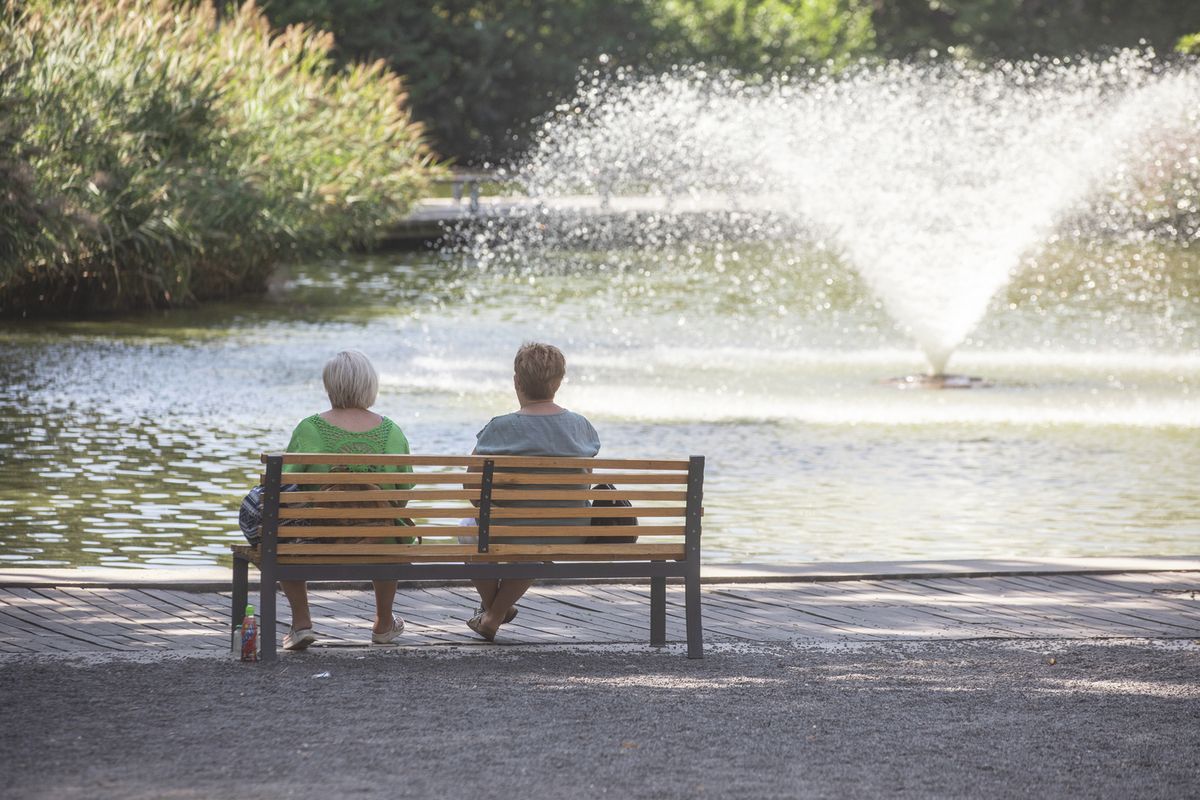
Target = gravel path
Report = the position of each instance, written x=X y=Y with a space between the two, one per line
x=981 y=719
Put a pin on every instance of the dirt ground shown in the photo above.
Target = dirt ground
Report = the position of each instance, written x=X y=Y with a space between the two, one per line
x=979 y=719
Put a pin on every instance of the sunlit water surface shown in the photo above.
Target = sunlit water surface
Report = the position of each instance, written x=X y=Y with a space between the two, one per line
x=130 y=442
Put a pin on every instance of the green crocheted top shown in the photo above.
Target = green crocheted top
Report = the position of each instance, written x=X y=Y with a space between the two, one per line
x=315 y=435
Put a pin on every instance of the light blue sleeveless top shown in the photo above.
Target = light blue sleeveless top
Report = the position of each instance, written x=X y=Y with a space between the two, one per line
x=565 y=434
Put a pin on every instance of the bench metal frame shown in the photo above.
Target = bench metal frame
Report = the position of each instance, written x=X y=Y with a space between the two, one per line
x=657 y=571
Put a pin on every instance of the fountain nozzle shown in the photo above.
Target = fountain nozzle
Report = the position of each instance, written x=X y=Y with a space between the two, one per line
x=940 y=380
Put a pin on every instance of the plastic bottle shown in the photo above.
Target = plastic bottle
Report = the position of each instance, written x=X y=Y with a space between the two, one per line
x=249 y=636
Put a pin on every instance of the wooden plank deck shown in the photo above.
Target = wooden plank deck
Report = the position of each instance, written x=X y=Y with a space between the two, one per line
x=1156 y=605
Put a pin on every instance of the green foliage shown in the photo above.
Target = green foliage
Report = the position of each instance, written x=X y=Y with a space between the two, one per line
x=480 y=71
x=1189 y=45
x=766 y=36
x=152 y=156
x=23 y=215
x=1024 y=28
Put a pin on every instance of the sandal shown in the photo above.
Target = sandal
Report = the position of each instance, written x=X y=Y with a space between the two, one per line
x=475 y=623
x=387 y=637
x=509 y=617
x=299 y=639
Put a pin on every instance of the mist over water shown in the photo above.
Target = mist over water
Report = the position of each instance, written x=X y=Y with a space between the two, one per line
x=935 y=184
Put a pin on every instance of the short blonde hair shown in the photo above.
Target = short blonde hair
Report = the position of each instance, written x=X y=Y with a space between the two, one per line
x=539 y=370
x=350 y=380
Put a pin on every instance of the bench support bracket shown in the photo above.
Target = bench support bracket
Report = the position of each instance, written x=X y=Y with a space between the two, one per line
x=695 y=511
x=270 y=549
x=241 y=590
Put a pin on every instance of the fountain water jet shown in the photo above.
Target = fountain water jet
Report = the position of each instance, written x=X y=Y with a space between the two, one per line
x=931 y=181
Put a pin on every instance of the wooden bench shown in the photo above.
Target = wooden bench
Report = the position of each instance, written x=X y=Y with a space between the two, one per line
x=666 y=499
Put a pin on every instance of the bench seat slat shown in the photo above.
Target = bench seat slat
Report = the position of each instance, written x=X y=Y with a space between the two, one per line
x=372 y=532
x=466 y=511
x=439 y=495
x=454 y=551
x=304 y=554
x=470 y=479
x=477 y=461
x=473 y=558
x=384 y=531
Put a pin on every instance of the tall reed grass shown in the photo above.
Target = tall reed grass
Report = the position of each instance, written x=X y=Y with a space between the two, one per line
x=154 y=153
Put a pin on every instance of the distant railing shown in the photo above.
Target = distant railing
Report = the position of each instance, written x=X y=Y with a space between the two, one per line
x=468 y=183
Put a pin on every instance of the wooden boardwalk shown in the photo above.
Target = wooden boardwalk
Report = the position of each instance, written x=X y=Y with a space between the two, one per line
x=1138 y=605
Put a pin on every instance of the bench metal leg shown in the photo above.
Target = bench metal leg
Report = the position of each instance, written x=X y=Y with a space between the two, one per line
x=695 y=635
x=266 y=631
x=241 y=590
x=658 y=611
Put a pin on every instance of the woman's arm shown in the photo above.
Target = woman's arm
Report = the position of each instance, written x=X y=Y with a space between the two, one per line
x=397 y=445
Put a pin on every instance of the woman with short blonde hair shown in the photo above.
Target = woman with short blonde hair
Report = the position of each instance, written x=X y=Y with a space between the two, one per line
x=538 y=370
x=540 y=427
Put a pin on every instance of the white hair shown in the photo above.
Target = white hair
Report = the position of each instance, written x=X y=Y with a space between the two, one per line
x=350 y=380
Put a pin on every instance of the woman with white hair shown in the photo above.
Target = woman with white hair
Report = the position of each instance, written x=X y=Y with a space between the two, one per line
x=346 y=427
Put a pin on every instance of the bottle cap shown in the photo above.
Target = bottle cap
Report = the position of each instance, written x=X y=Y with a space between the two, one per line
x=249 y=611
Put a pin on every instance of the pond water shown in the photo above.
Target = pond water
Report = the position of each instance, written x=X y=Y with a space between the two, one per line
x=130 y=441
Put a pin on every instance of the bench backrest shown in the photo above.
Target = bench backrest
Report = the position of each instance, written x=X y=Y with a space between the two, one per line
x=502 y=496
